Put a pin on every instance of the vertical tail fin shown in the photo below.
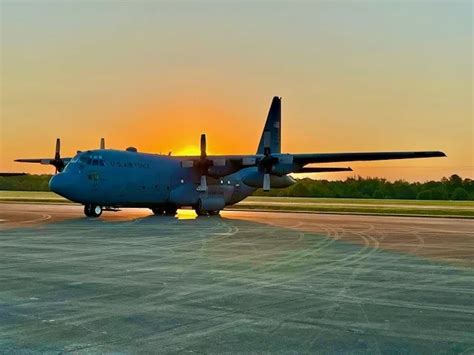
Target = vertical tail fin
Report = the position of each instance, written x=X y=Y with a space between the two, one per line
x=272 y=125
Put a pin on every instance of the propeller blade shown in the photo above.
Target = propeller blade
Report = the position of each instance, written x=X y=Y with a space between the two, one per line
x=203 y=185
x=102 y=143
x=203 y=145
x=57 y=153
x=57 y=162
x=266 y=182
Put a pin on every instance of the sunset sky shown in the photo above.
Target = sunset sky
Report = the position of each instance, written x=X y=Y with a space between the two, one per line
x=354 y=76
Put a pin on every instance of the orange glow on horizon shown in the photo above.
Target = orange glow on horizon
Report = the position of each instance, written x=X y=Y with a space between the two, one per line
x=188 y=150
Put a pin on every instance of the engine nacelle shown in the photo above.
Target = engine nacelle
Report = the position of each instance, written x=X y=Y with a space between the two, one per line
x=255 y=179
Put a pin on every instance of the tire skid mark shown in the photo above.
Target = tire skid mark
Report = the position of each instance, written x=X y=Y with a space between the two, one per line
x=331 y=269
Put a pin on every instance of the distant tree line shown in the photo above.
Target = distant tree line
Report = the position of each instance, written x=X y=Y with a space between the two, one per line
x=25 y=183
x=452 y=188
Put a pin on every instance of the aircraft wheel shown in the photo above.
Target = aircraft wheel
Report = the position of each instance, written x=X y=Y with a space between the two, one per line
x=95 y=211
x=87 y=210
x=199 y=210
x=170 y=211
x=214 y=213
x=157 y=211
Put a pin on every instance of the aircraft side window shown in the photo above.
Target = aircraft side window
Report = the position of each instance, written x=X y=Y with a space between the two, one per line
x=101 y=163
x=95 y=162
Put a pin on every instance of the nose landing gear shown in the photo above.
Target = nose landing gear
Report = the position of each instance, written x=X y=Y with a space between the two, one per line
x=92 y=210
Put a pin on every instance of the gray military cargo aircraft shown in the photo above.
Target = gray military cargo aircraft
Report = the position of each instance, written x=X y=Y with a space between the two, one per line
x=108 y=179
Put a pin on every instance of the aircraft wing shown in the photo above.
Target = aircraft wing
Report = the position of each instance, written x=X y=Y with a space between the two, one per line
x=45 y=161
x=320 y=170
x=221 y=165
x=58 y=162
x=303 y=159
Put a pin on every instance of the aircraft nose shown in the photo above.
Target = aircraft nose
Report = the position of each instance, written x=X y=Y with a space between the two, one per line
x=59 y=184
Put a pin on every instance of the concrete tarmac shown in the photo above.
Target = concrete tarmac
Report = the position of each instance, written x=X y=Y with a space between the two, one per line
x=244 y=282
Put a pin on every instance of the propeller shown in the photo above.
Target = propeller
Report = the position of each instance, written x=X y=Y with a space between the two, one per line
x=267 y=162
x=203 y=164
x=57 y=162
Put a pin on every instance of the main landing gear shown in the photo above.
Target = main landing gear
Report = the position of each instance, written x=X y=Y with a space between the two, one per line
x=200 y=211
x=92 y=210
x=167 y=211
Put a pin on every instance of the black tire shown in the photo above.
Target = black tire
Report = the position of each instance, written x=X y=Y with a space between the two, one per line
x=87 y=210
x=170 y=211
x=95 y=210
x=201 y=213
x=157 y=211
x=198 y=209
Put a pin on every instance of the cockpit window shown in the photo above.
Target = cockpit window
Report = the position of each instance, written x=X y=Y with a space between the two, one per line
x=72 y=161
x=94 y=160
x=84 y=159
x=87 y=158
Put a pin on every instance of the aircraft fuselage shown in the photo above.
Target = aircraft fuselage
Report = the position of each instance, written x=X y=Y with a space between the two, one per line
x=132 y=179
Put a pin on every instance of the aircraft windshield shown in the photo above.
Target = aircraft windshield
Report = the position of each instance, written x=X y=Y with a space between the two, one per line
x=86 y=158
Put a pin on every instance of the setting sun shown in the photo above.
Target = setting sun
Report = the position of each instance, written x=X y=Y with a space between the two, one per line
x=187 y=150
